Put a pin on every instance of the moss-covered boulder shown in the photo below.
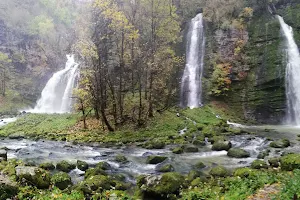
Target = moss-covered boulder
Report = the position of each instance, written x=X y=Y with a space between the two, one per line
x=244 y=172
x=280 y=143
x=155 y=144
x=216 y=138
x=193 y=174
x=47 y=166
x=177 y=150
x=190 y=149
x=65 y=166
x=290 y=162
x=155 y=159
x=8 y=189
x=219 y=171
x=166 y=168
x=98 y=182
x=199 y=165
x=160 y=187
x=121 y=159
x=103 y=165
x=259 y=164
x=94 y=171
x=82 y=165
x=61 y=180
x=274 y=162
x=263 y=154
x=3 y=155
x=33 y=176
x=221 y=145
x=238 y=153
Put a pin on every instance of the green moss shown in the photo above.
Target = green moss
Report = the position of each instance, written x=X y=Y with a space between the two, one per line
x=219 y=171
x=98 y=182
x=121 y=159
x=8 y=191
x=283 y=143
x=155 y=159
x=238 y=153
x=290 y=162
x=94 y=171
x=83 y=166
x=244 y=172
x=259 y=164
x=274 y=162
x=40 y=178
x=61 y=180
x=65 y=166
x=103 y=166
x=166 y=168
x=47 y=166
x=221 y=145
x=177 y=150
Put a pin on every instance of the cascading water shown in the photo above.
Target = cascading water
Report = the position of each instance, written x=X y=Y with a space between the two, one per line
x=292 y=75
x=191 y=85
x=56 y=96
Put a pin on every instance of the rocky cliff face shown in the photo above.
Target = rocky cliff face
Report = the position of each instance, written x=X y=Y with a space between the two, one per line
x=259 y=94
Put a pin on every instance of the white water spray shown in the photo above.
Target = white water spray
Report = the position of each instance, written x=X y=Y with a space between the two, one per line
x=292 y=75
x=191 y=85
x=56 y=96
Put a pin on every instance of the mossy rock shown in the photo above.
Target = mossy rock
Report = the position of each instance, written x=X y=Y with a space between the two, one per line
x=160 y=187
x=94 y=171
x=190 y=149
x=259 y=164
x=47 y=166
x=33 y=176
x=155 y=144
x=166 y=168
x=238 y=153
x=177 y=150
x=221 y=146
x=64 y=166
x=155 y=159
x=219 y=171
x=215 y=139
x=62 y=180
x=103 y=165
x=199 y=165
x=82 y=165
x=121 y=159
x=193 y=174
x=274 y=162
x=290 y=162
x=263 y=154
x=98 y=182
x=244 y=172
x=280 y=143
x=8 y=191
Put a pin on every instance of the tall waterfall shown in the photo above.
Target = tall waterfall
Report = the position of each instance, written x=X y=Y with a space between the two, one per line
x=292 y=74
x=56 y=96
x=191 y=84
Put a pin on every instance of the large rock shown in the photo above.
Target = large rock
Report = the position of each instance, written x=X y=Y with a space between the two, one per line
x=219 y=171
x=290 y=162
x=47 y=166
x=166 y=168
x=33 y=176
x=238 y=153
x=155 y=159
x=94 y=171
x=244 y=172
x=65 y=166
x=221 y=145
x=259 y=164
x=121 y=159
x=8 y=189
x=83 y=166
x=280 y=143
x=274 y=162
x=103 y=165
x=177 y=150
x=61 y=180
x=161 y=186
x=3 y=155
x=190 y=149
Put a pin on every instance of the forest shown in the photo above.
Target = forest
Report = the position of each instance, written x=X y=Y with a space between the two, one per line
x=149 y=99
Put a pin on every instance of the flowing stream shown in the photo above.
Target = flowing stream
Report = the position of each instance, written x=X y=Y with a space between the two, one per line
x=56 y=96
x=292 y=75
x=191 y=85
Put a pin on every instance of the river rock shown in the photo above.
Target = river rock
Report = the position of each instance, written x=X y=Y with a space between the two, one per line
x=33 y=176
x=290 y=162
x=219 y=171
x=62 y=180
x=155 y=159
x=47 y=166
x=94 y=171
x=263 y=154
x=121 y=159
x=274 y=162
x=177 y=150
x=160 y=186
x=3 y=155
x=155 y=144
x=166 y=168
x=259 y=164
x=16 y=136
x=244 y=172
x=238 y=153
x=83 y=166
x=94 y=183
x=199 y=165
x=65 y=166
x=190 y=149
x=103 y=166
x=8 y=189
x=221 y=146
x=283 y=143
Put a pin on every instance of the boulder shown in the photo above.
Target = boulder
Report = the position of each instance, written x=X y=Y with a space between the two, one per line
x=244 y=172
x=280 y=143
x=8 y=189
x=221 y=146
x=263 y=154
x=62 y=180
x=3 y=154
x=65 y=166
x=190 y=149
x=155 y=144
x=33 y=176
x=103 y=166
x=47 y=166
x=274 y=162
x=290 y=162
x=94 y=171
x=83 y=166
x=199 y=165
x=166 y=168
x=155 y=159
x=177 y=150
x=16 y=136
x=238 y=153
x=219 y=171
x=121 y=159
x=259 y=164
x=160 y=186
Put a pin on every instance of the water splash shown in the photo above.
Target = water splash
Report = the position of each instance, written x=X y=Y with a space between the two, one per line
x=191 y=85
x=292 y=75
x=56 y=96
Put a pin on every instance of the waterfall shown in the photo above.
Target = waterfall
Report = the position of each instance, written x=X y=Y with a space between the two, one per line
x=56 y=96
x=292 y=74
x=191 y=84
